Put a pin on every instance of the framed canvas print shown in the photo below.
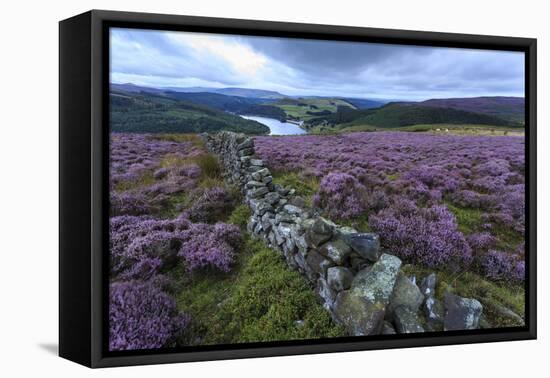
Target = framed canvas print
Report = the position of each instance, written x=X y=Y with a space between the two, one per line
x=233 y=188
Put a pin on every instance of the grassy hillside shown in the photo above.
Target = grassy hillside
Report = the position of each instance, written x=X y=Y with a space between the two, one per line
x=396 y=115
x=437 y=128
x=510 y=108
x=217 y=101
x=233 y=104
x=361 y=103
x=145 y=112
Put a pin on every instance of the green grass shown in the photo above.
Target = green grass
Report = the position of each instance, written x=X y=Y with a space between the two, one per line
x=145 y=179
x=470 y=221
x=292 y=108
x=194 y=139
x=210 y=177
x=438 y=128
x=360 y=223
x=209 y=165
x=262 y=300
x=174 y=205
x=239 y=216
x=470 y=285
x=393 y=176
x=305 y=187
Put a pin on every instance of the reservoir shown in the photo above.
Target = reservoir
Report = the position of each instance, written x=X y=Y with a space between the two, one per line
x=277 y=127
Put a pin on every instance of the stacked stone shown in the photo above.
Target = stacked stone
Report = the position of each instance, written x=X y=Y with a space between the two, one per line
x=357 y=282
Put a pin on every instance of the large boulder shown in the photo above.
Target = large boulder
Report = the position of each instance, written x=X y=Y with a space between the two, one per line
x=362 y=308
x=339 y=278
x=358 y=315
x=405 y=293
x=406 y=320
x=376 y=283
x=320 y=232
x=367 y=245
x=336 y=250
x=461 y=313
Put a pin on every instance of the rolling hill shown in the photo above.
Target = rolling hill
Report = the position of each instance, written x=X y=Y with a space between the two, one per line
x=510 y=108
x=396 y=115
x=232 y=104
x=361 y=103
x=231 y=91
x=151 y=113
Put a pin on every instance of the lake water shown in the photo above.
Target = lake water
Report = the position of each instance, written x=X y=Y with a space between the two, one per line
x=277 y=127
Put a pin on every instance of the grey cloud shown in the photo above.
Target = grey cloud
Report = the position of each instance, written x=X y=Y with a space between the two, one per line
x=308 y=67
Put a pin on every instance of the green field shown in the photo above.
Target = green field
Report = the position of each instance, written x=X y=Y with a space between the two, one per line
x=298 y=109
x=437 y=128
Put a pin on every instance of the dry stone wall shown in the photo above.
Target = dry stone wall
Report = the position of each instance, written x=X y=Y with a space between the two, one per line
x=361 y=285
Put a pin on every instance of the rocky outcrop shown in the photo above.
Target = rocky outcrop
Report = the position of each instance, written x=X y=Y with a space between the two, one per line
x=360 y=284
x=461 y=313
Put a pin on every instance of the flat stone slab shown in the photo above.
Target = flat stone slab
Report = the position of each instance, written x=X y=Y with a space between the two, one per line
x=367 y=245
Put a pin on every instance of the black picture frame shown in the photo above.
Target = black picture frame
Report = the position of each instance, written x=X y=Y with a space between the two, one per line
x=83 y=196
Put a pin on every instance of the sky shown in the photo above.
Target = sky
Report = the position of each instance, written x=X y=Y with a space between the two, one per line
x=300 y=67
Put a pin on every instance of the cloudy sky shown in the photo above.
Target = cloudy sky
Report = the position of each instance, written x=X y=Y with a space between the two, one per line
x=310 y=67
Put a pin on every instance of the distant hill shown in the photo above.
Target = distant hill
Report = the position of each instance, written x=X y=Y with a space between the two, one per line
x=132 y=88
x=230 y=91
x=395 y=115
x=511 y=108
x=398 y=115
x=233 y=104
x=218 y=101
x=151 y=113
x=238 y=92
x=361 y=103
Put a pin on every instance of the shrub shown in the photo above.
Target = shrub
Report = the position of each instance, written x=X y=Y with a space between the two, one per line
x=428 y=236
x=340 y=196
x=141 y=316
x=209 y=165
x=240 y=216
x=213 y=204
x=129 y=203
x=142 y=246
x=204 y=245
x=503 y=266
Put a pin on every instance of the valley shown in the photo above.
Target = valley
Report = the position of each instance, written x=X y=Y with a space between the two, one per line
x=143 y=109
